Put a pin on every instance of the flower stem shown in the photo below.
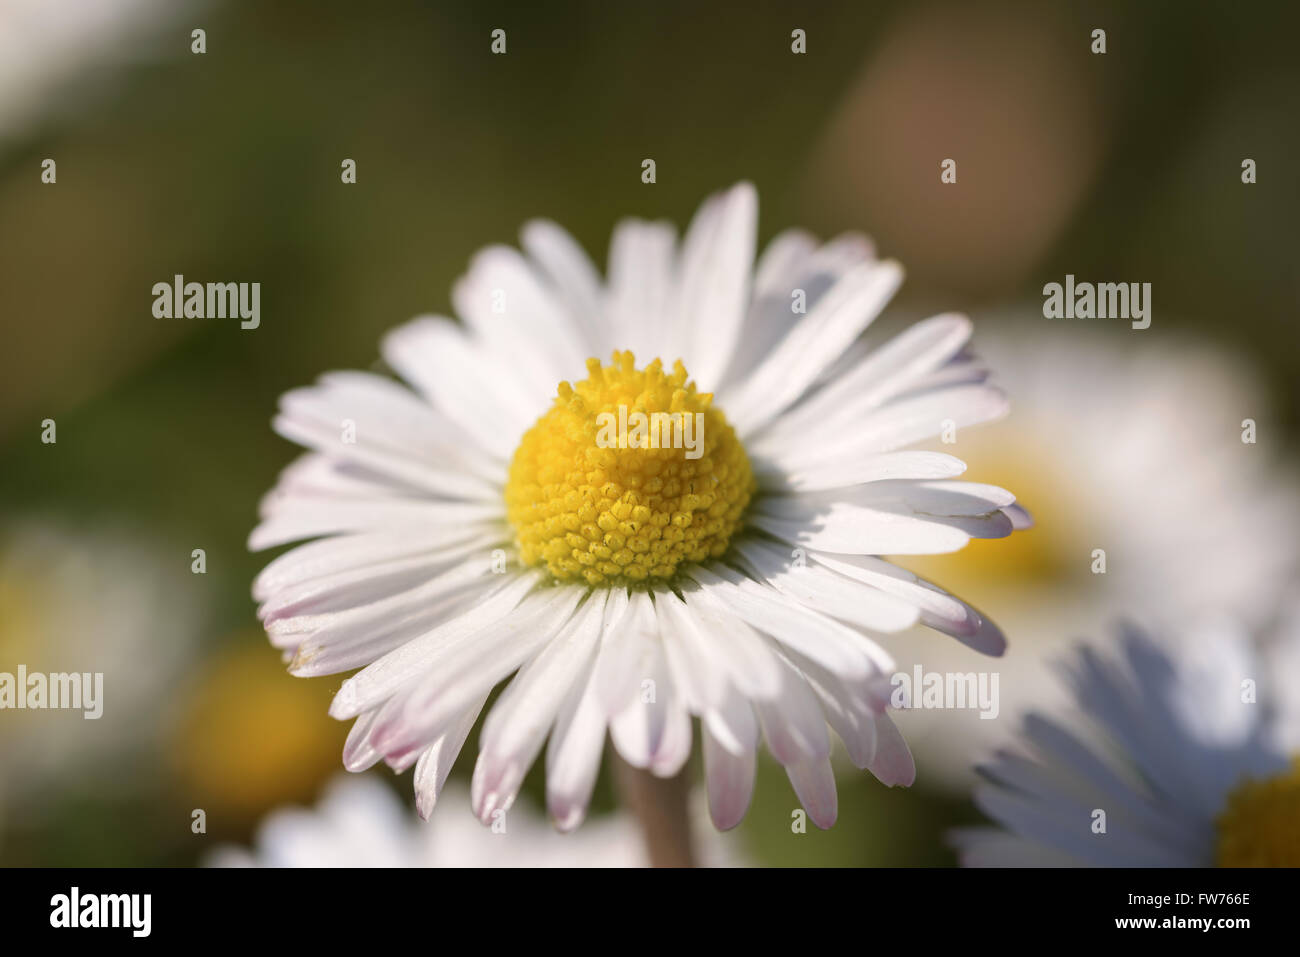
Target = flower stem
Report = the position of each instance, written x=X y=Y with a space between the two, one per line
x=660 y=805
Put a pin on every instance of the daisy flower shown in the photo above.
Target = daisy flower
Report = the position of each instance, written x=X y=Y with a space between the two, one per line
x=360 y=823
x=1196 y=764
x=1118 y=448
x=492 y=521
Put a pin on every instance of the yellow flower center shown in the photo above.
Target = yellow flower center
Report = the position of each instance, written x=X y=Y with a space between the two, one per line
x=1260 y=827
x=1065 y=514
x=628 y=475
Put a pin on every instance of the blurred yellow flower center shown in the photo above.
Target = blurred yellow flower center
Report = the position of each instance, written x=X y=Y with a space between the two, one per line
x=221 y=747
x=1260 y=827
x=628 y=475
x=1007 y=570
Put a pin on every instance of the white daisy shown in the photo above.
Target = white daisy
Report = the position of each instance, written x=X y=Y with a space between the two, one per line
x=1122 y=445
x=477 y=526
x=360 y=823
x=1198 y=762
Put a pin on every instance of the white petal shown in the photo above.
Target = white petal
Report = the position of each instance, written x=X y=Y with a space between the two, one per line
x=939 y=610
x=503 y=301
x=730 y=782
x=846 y=710
x=715 y=281
x=819 y=338
x=435 y=763
x=358 y=755
x=640 y=287
x=363 y=448
x=726 y=643
x=517 y=724
x=454 y=675
x=360 y=586
x=629 y=657
x=814 y=783
x=1119 y=847
x=462 y=381
x=403 y=439
x=793 y=724
x=573 y=756
x=792 y=261
x=791 y=474
x=835 y=646
x=640 y=727
x=893 y=764
x=1020 y=517
x=675 y=745
x=884 y=372
x=298 y=521
x=654 y=731
x=905 y=421
x=376 y=683
x=329 y=644
x=573 y=278
x=777 y=274
x=939 y=498
x=992 y=847
x=703 y=677
x=823 y=590
x=342 y=553
x=845 y=526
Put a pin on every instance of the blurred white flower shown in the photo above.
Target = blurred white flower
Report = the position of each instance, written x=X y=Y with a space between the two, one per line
x=1119 y=444
x=1196 y=764
x=47 y=45
x=359 y=822
x=481 y=527
x=91 y=600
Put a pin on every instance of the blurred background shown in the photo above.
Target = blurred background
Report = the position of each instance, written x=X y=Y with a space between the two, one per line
x=1123 y=166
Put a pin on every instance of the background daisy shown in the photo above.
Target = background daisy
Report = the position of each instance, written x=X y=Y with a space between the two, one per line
x=48 y=50
x=219 y=752
x=1125 y=445
x=359 y=822
x=1198 y=766
x=94 y=599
